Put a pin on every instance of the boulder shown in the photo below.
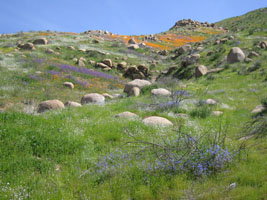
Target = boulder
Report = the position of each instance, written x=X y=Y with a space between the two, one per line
x=107 y=62
x=68 y=85
x=258 y=109
x=263 y=44
x=133 y=46
x=163 y=52
x=81 y=63
x=217 y=42
x=183 y=49
x=235 y=55
x=136 y=83
x=142 y=44
x=126 y=115
x=107 y=96
x=224 y=40
x=157 y=121
x=92 y=98
x=132 y=41
x=92 y=62
x=71 y=47
x=248 y=60
x=253 y=54
x=133 y=73
x=72 y=104
x=215 y=70
x=27 y=46
x=50 y=105
x=122 y=66
x=144 y=69
x=82 y=50
x=201 y=70
x=49 y=51
x=160 y=92
x=191 y=59
x=211 y=102
x=135 y=91
x=40 y=41
x=102 y=66
x=217 y=113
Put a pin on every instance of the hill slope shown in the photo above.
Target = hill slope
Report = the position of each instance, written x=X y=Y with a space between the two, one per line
x=254 y=21
x=213 y=147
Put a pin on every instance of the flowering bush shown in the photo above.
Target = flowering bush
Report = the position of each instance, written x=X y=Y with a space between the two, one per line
x=196 y=157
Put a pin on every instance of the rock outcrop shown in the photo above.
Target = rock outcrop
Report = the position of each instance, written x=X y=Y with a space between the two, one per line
x=50 y=105
x=92 y=98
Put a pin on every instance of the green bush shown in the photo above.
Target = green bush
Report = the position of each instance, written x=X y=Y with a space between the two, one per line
x=202 y=111
x=147 y=89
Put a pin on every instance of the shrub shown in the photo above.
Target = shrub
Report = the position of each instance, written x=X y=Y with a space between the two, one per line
x=257 y=65
x=201 y=111
x=195 y=157
x=147 y=89
x=258 y=125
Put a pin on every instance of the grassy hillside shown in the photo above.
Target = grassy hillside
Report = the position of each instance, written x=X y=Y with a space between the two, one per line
x=253 y=22
x=211 y=151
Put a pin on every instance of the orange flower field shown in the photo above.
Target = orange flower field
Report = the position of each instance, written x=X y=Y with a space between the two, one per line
x=165 y=42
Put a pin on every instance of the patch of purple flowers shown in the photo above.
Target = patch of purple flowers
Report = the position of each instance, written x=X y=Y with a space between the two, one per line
x=200 y=161
x=181 y=93
x=34 y=77
x=168 y=105
x=84 y=70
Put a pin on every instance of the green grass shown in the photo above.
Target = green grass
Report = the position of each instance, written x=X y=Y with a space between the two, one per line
x=46 y=156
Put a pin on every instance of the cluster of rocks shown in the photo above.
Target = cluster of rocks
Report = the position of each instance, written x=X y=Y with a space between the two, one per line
x=137 y=72
x=57 y=104
x=31 y=45
x=150 y=37
x=263 y=45
x=190 y=59
x=190 y=22
x=97 y=32
x=133 y=88
x=151 y=121
x=129 y=88
x=26 y=46
x=105 y=65
x=223 y=40
x=182 y=49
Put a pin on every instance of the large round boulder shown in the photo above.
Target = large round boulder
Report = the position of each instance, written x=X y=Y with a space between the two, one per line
x=68 y=85
x=160 y=92
x=126 y=115
x=211 y=102
x=157 y=121
x=40 y=41
x=72 y=104
x=136 y=83
x=50 y=105
x=235 y=55
x=92 y=98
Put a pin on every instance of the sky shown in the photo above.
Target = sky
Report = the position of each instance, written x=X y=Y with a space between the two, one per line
x=127 y=17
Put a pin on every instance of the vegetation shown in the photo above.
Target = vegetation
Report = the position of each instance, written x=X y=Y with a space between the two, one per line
x=88 y=153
